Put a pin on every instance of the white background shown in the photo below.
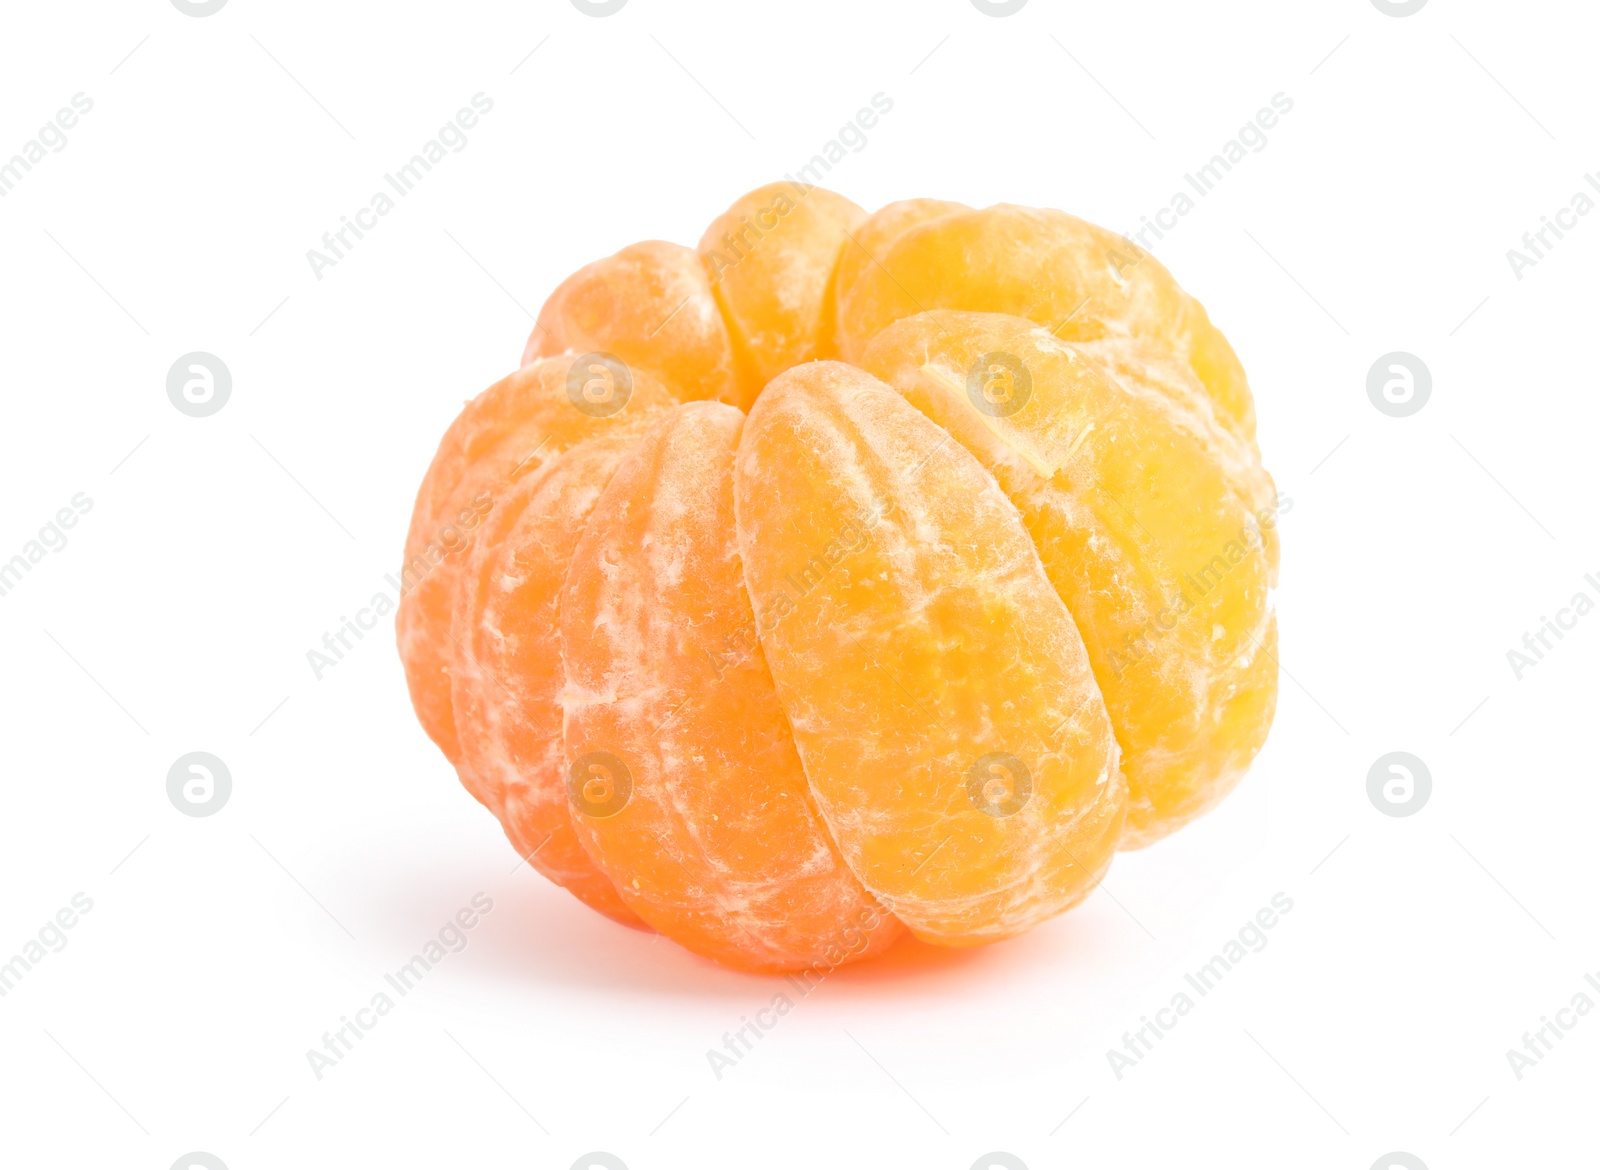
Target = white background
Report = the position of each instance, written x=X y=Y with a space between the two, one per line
x=1417 y=552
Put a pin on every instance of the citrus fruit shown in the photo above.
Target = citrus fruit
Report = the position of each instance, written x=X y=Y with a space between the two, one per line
x=849 y=574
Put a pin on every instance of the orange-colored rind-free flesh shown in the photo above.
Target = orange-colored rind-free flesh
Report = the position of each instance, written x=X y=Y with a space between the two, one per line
x=849 y=575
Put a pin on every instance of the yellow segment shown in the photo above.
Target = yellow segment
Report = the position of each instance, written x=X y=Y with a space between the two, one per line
x=940 y=696
x=1153 y=521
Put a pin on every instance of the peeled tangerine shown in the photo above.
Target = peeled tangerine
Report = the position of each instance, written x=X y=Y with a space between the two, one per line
x=781 y=656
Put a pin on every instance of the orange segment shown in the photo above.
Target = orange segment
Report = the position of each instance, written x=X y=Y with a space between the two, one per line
x=1145 y=364
x=1077 y=280
x=688 y=790
x=869 y=243
x=532 y=413
x=507 y=676
x=651 y=305
x=940 y=696
x=1152 y=521
x=771 y=257
x=1219 y=368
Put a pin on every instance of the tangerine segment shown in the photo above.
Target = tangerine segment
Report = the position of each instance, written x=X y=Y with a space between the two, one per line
x=687 y=788
x=771 y=257
x=1142 y=509
x=507 y=676
x=872 y=239
x=1219 y=369
x=529 y=413
x=941 y=699
x=651 y=305
x=1131 y=361
x=1078 y=280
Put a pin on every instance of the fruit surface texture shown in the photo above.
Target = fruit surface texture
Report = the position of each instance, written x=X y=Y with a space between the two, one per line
x=849 y=575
